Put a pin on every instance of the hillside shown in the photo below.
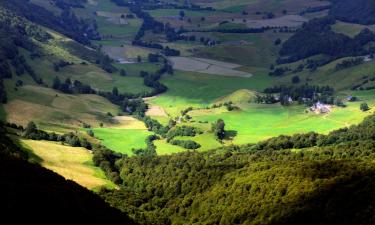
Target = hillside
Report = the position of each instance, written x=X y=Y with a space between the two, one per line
x=39 y=193
x=189 y=112
x=285 y=180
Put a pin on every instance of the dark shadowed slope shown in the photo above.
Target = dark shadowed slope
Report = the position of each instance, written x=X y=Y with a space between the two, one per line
x=37 y=195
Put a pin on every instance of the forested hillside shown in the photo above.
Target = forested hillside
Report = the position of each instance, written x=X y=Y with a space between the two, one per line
x=267 y=183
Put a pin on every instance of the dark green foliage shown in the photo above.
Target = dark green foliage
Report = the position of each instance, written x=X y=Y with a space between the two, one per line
x=257 y=184
x=359 y=11
x=188 y=144
x=296 y=79
x=218 y=128
x=305 y=94
x=154 y=125
x=316 y=37
x=105 y=63
x=349 y=63
x=182 y=131
x=68 y=87
x=106 y=160
x=123 y=72
x=32 y=132
x=364 y=107
x=150 y=150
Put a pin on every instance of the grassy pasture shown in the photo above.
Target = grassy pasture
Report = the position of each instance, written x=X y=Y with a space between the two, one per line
x=350 y=29
x=44 y=105
x=122 y=140
x=72 y=163
x=327 y=75
x=259 y=122
x=199 y=90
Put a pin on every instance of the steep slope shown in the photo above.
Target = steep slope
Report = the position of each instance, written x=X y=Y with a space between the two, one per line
x=42 y=195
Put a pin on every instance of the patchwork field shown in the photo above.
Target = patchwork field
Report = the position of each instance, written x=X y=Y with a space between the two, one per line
x=207 y=66
x=72 y=163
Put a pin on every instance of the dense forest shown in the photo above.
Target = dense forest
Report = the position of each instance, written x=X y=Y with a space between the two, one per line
x=37 y=193
x=266 y=183
x=359 y=11
x=316 y=37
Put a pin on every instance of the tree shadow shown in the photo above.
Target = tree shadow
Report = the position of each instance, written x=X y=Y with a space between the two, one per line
x=230 y=134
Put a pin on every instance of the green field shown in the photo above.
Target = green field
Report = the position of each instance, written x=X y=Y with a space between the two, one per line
x=176 y=13
x=259 y=122
x=122 y=140
x=199 y=90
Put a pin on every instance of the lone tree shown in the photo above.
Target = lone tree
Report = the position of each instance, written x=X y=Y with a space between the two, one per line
x=219 y=129
x=364 y=107
x=182 y=14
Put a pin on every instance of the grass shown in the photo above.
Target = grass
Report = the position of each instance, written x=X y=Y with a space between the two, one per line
x=72 y=163
x=47 y=106
x=350 y=29
x=259 y=122
x=122 y=140
x=163 y=148
x=327 y=75
x=198 y=90
x=176 y=12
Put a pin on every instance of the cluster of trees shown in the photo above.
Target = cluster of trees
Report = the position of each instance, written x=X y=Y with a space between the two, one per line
x=252 y=184
x=106 y=159
x=150 y=150
x=32 y=132
x=188 y=144
x=61 y=64
x=316 y=37
x=182 y=131
x=105 y=62
x=349 y=63
x=70 y=87
x=306 y=94
x=67 y=4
